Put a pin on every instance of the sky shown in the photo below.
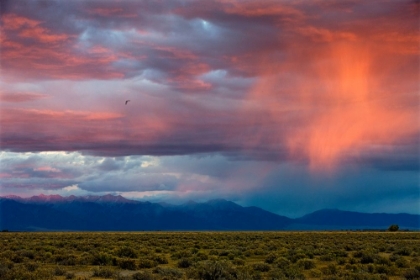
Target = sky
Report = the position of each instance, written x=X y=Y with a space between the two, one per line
x=291 y=106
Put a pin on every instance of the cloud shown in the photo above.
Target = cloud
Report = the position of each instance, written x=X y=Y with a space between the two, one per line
x=285 y=189
x=33 y=49
x=223 y=93
x=21 y=96
x=337 y=93
x=71 y=188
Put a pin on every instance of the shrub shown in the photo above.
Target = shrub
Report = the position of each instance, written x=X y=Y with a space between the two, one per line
x=224 y=253
x=129 y=264
x=295 y=257
x=231 y=256
x=167 y=272
x=394 y=257
x=262 y=267
x=59 y=271
x=401 y=262
x=238 y=262
x=160 y=259
x=146 y=263
x=184 y=263
x=331 y=269
x=31 y=266
x=393 y=270
x=403 y=252
x=144 y=252
x=412 y=274
x=103 y=272
x=275 y=274
x=270 y=258
x=341 y=261
x=212 y=270
x=4 y=268
x=352 y=267
x=16 y=258
x=118 y=276
x=201 y=256
x=381 y=269
x=293 y=272
x=126 y=252
x=70 y=275
x=393 y=228
x=27 y=254
x=382 y=261
x=41 y=273
x=367 y=258
x=66 y=259
x=341 y=253
x=101 y=259
x=259 y=252
x=180 y=255
x=245 y=274
x=282 y=262
x=315 y=273
x=306 y=263
x=327 y=258
x=144 y=275
x=213 y=252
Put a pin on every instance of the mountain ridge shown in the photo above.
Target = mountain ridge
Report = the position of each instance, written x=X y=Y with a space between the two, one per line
x=116 y=213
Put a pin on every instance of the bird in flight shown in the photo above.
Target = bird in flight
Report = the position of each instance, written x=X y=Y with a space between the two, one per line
x=127 y=102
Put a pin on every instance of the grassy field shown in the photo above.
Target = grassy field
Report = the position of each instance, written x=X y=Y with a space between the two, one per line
x=210 y=255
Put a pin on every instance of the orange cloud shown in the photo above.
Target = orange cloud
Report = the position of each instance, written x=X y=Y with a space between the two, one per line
x=343 y=100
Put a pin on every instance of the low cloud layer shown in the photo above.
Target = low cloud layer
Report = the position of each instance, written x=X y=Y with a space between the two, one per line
x=224 y=95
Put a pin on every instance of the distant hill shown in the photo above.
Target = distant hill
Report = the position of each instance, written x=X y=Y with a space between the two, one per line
x=347 y=219
x=116 y=213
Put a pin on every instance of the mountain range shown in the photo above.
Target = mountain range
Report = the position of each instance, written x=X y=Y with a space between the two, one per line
x=116 y=213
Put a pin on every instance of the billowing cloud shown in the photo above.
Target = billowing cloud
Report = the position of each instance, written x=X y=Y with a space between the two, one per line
x=248 y=87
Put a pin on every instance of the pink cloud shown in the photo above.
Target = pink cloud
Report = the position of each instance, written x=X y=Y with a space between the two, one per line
x=49 y=55
x=14 y=22
x=21 y=96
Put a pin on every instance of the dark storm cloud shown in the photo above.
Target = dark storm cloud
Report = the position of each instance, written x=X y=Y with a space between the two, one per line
x=294 y=192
